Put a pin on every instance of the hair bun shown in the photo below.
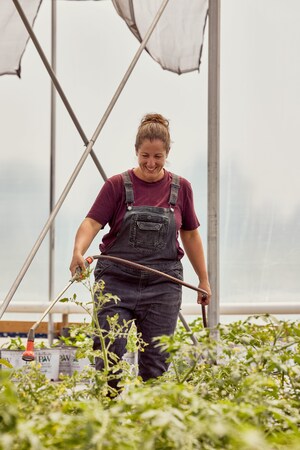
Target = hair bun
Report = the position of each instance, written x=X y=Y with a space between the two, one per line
x=153 y=126
x=155 y=118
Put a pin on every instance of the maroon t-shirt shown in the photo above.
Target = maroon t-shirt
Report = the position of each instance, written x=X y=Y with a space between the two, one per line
x=110 y=207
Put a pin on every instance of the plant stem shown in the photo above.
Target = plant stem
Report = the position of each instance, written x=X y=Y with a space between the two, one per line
x=175 y=369
x=102 y=341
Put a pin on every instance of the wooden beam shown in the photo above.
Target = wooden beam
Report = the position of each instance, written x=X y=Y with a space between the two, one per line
x=13 y=326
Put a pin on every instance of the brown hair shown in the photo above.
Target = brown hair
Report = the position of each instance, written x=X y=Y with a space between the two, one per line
x=153 y=126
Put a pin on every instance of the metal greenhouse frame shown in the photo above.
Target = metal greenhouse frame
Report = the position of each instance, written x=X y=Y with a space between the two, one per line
x=213 y=149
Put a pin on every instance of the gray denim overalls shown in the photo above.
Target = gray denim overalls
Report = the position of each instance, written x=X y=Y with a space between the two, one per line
x=147 y=236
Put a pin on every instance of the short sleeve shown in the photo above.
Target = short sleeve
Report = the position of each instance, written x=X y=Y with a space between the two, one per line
x=110 y=195
x=189 y=218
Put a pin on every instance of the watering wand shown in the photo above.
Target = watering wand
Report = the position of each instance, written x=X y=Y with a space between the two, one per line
x=28 y=354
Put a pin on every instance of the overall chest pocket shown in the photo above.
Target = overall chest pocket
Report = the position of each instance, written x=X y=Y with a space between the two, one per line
x=149 y=232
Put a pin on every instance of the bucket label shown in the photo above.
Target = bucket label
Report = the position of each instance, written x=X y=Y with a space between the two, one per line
x=44 y=359
x=13 y=357
x=65 y=357
x=49 y=361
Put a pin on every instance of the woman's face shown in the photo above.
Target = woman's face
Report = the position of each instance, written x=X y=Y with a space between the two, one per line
x=152 y=156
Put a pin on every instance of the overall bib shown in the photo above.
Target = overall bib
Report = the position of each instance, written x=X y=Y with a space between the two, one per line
x=147 y=236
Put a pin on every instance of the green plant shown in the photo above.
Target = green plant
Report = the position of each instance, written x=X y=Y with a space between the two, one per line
x=237 y=392
x=135 y=341
x=15 y=343
x=81 y=336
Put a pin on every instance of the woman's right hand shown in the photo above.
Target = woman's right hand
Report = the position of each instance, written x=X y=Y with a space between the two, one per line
x=84 y=236
x=77 y=262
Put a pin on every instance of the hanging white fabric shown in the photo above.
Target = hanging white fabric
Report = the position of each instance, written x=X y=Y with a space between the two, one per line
x=13 y=34
x=177 y=41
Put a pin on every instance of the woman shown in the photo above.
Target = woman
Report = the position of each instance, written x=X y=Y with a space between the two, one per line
x=146 y=208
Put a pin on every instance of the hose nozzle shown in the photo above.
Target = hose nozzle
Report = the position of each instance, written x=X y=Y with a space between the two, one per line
x=28 y=354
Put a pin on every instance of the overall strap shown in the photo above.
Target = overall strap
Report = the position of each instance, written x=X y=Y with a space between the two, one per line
x=129 y=197
x=175 y=185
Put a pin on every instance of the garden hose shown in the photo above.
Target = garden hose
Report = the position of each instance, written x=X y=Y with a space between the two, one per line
x=28 y=354
x=165 y=275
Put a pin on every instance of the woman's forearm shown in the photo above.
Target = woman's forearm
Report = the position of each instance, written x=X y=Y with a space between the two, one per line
x=192 y=244
x=83 y=239
x=193 y=247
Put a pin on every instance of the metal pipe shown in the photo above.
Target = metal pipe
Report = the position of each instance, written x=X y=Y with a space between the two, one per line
x=240 y=309
x=81 y=161
x=28 y=355
x=187 y=308
x=128 y=72
x=186 y=326
x=52 y=167
x=49 y=308
x=32 y=307
x=213 y=175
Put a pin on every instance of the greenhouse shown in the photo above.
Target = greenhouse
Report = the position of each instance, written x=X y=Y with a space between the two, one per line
x=77 y=79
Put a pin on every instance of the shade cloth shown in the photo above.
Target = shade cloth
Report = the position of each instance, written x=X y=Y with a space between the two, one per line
x=177 y=41
x=13 y=34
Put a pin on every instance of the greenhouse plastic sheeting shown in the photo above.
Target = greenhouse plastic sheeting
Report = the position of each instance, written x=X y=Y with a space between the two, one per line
x=13 y=34
x=177 y=41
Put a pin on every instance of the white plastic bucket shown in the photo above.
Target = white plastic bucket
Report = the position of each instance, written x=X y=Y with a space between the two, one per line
x=48 y=358
x=68 y=363
x=65 y=360
x=14 y=357
x=79 y=364
x=132 y=359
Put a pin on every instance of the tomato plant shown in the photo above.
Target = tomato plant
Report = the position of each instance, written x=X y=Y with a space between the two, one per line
x=239 y=390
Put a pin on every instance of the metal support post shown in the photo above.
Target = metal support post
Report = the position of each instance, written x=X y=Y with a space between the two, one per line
x=52 y=168
x=213 y=159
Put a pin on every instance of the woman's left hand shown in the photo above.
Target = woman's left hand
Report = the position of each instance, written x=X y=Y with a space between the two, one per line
x=202 y=298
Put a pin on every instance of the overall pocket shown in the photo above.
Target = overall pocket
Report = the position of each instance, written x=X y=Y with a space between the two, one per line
x=101 y=267
x=148 y=232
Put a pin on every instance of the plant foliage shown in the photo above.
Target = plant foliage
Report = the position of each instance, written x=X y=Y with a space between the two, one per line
x=237 y=389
